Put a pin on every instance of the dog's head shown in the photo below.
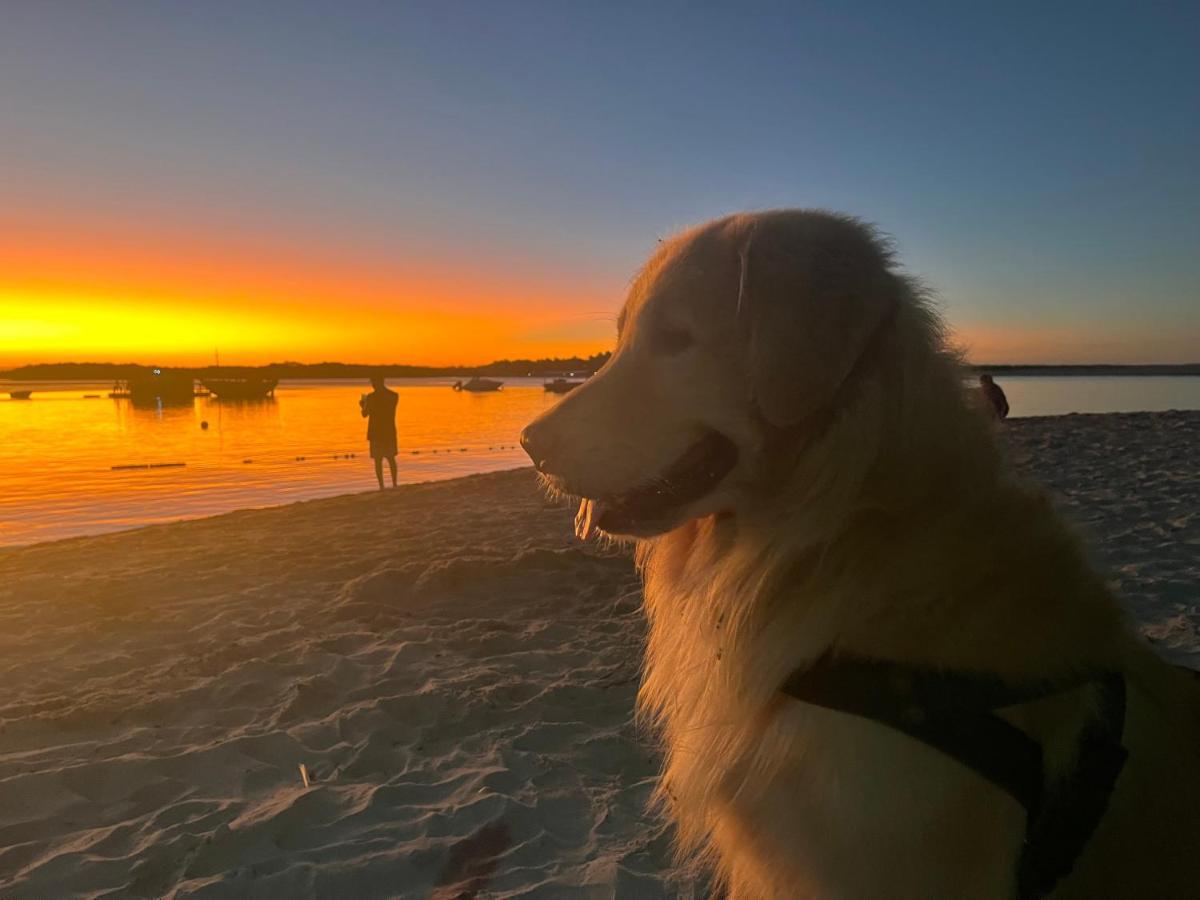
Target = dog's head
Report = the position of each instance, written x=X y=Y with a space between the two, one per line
x=735 y=332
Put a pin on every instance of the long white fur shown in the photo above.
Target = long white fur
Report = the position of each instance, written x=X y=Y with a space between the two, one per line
x=897 y=532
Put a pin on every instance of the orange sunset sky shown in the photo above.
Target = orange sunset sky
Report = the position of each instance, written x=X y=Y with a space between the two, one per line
x=99 y=294
x=436 y=184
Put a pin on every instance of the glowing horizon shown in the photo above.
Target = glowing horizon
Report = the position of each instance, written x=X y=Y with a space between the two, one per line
x=408 y=184
x=107 y=296
x=112 y=295
x=140 y=298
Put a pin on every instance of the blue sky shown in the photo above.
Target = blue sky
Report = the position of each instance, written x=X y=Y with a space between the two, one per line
x=1035 y=162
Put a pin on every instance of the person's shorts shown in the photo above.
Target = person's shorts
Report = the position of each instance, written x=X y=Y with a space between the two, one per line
x=384 y=448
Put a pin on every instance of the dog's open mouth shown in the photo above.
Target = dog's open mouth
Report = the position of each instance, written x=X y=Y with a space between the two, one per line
x=686 y=480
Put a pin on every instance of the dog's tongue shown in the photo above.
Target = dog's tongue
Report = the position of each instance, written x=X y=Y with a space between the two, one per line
x=589 y=513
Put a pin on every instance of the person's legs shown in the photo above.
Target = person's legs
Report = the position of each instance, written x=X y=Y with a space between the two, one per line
x=392 y=466
x=379 y=471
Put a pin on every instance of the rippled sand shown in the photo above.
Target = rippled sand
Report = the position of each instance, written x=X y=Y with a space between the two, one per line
x=455 y=673
x=1130 y=483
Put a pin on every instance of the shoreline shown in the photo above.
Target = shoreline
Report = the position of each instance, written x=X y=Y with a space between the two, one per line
x=541 y=368
x=182 y=522
x=454 y=670
x=1009 y=426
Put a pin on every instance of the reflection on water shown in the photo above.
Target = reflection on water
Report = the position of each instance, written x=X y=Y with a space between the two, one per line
x=57 y=451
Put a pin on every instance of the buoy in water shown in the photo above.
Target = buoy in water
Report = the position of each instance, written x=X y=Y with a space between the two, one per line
x=204 y=426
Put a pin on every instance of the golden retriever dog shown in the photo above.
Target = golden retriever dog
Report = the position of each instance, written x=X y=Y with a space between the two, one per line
x=881 y=666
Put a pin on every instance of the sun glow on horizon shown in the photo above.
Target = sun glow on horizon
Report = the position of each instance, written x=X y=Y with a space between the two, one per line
x=66 y=327
x=50 y=324
x=1117 y=343
x=117 y=294
x=79 y=298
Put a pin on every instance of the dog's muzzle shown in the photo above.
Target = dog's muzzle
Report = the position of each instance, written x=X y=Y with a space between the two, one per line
x=649 y=508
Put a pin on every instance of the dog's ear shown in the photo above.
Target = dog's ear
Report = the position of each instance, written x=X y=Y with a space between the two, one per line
x=813 y=291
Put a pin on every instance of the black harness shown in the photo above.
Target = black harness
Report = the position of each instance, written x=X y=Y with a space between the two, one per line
x=955 y=713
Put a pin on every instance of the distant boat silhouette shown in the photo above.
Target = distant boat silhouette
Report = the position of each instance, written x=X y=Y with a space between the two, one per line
x=478 y=385
x=19 y=395
x=155 y=387
x=561 y=385
x=241 y=388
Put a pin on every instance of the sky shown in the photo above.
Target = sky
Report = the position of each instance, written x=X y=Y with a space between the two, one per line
x=444 y=182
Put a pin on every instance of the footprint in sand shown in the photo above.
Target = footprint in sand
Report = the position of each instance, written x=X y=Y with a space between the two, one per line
x=472 y=862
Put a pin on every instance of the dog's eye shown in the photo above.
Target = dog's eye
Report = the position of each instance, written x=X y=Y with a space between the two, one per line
x=671 y=341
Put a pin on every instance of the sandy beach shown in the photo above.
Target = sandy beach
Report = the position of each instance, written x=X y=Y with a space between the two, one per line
x=454 y=672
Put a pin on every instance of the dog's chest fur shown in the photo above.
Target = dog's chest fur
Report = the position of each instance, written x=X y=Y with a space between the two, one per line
x=794 y=800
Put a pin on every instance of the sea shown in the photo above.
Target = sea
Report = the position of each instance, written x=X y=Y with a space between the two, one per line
x=74 y=461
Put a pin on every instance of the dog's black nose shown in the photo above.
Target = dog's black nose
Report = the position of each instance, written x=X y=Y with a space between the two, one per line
x=534 y=440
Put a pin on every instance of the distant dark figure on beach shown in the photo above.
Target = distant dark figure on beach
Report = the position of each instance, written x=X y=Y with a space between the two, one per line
x=379 y=409
x=995 y=396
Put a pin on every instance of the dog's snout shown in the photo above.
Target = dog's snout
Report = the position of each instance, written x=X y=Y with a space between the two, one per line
x=537 y=443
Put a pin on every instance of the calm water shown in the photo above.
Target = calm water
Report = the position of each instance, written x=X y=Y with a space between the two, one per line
x=57 y=450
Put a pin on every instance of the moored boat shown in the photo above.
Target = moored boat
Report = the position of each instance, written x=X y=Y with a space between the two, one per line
x=240 y=388
x=155 y=387
x=477 y=385
x=19 y=395
x=561 y=385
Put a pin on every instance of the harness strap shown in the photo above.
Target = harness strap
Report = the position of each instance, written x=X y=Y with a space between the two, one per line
x=1054 y=840
x=954 y=713
x=951 y=712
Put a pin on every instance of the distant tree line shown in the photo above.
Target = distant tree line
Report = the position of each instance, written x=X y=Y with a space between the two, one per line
x=578 y=365
x=510 y=368
x=542 y=368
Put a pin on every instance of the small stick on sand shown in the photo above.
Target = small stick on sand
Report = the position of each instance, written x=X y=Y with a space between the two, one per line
x=304 y=774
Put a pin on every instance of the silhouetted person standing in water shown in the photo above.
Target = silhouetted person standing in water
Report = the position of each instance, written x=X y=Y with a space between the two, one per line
x=379 y=409
x=995 y=396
